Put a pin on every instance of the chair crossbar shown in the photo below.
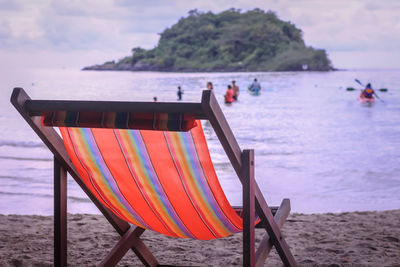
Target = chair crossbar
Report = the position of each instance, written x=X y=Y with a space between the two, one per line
x=265 y=246
x=37 y=107
x=129 y=240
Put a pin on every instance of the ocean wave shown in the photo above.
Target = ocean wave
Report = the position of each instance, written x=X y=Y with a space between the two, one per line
x=23 y=158
x=26 y=194
x=280 y=153
x=19 y=178
x=27 y=144
x=79 y=199
x=44 y=195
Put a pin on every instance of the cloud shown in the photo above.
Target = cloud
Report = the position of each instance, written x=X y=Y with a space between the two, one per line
x=345 y=25
x=73 y=8
x=5 y=30
x=378 y=5
x=366 y=59
x=118 y=25
x=10 y=5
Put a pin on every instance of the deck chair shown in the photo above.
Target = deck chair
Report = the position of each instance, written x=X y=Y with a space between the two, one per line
x=147 y=166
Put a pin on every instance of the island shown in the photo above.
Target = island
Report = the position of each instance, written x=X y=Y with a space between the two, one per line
x=230 y=41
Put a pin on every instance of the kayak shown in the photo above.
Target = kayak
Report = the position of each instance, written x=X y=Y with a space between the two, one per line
x=366 y=100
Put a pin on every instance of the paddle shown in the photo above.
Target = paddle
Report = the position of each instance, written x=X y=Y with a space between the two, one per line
x=382 y=89
x=360 y=83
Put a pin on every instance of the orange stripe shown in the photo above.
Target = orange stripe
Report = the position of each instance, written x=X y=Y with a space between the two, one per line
x=212 y=179
x=147 y=189
x=163 y=121
x=169 y=178
x=206 y=213
x=81 y=170
x=59 y=117
x=118 y=168
x=97 y=177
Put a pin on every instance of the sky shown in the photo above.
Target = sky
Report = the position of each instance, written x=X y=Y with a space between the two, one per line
x=73 y=33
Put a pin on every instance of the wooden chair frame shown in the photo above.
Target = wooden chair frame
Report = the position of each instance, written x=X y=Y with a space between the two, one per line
x=242 y=162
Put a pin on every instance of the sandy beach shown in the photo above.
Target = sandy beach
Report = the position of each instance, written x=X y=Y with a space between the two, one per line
x=331 y=239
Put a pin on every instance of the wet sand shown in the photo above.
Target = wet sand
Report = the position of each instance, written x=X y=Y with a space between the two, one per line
x=332 y=239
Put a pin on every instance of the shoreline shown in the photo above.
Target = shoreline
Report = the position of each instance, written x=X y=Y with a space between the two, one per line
x=156 y=69
x=344 y=239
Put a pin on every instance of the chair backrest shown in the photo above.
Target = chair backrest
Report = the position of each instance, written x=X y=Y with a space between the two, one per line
x=160 y=180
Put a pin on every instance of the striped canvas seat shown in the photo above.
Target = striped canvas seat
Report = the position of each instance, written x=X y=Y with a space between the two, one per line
x=159 y=180
x=146 y=165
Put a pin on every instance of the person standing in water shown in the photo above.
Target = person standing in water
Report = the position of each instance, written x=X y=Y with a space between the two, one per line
x=209 y=86
x=179 y=93
x=255 y=86
x=229 y=95
x=235 y=89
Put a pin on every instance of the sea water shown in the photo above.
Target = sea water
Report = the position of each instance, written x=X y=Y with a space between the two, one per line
x=314 y=142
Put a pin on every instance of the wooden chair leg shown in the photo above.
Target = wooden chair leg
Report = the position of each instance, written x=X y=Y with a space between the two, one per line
x=248 y=208
x=60 y=215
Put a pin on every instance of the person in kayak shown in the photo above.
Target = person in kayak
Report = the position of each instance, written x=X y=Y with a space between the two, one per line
x=229 y=95
x=368 y=92
x=255 y=86
x=235 y=89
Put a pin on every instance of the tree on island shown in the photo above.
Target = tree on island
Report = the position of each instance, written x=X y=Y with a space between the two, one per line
x=229 y=41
